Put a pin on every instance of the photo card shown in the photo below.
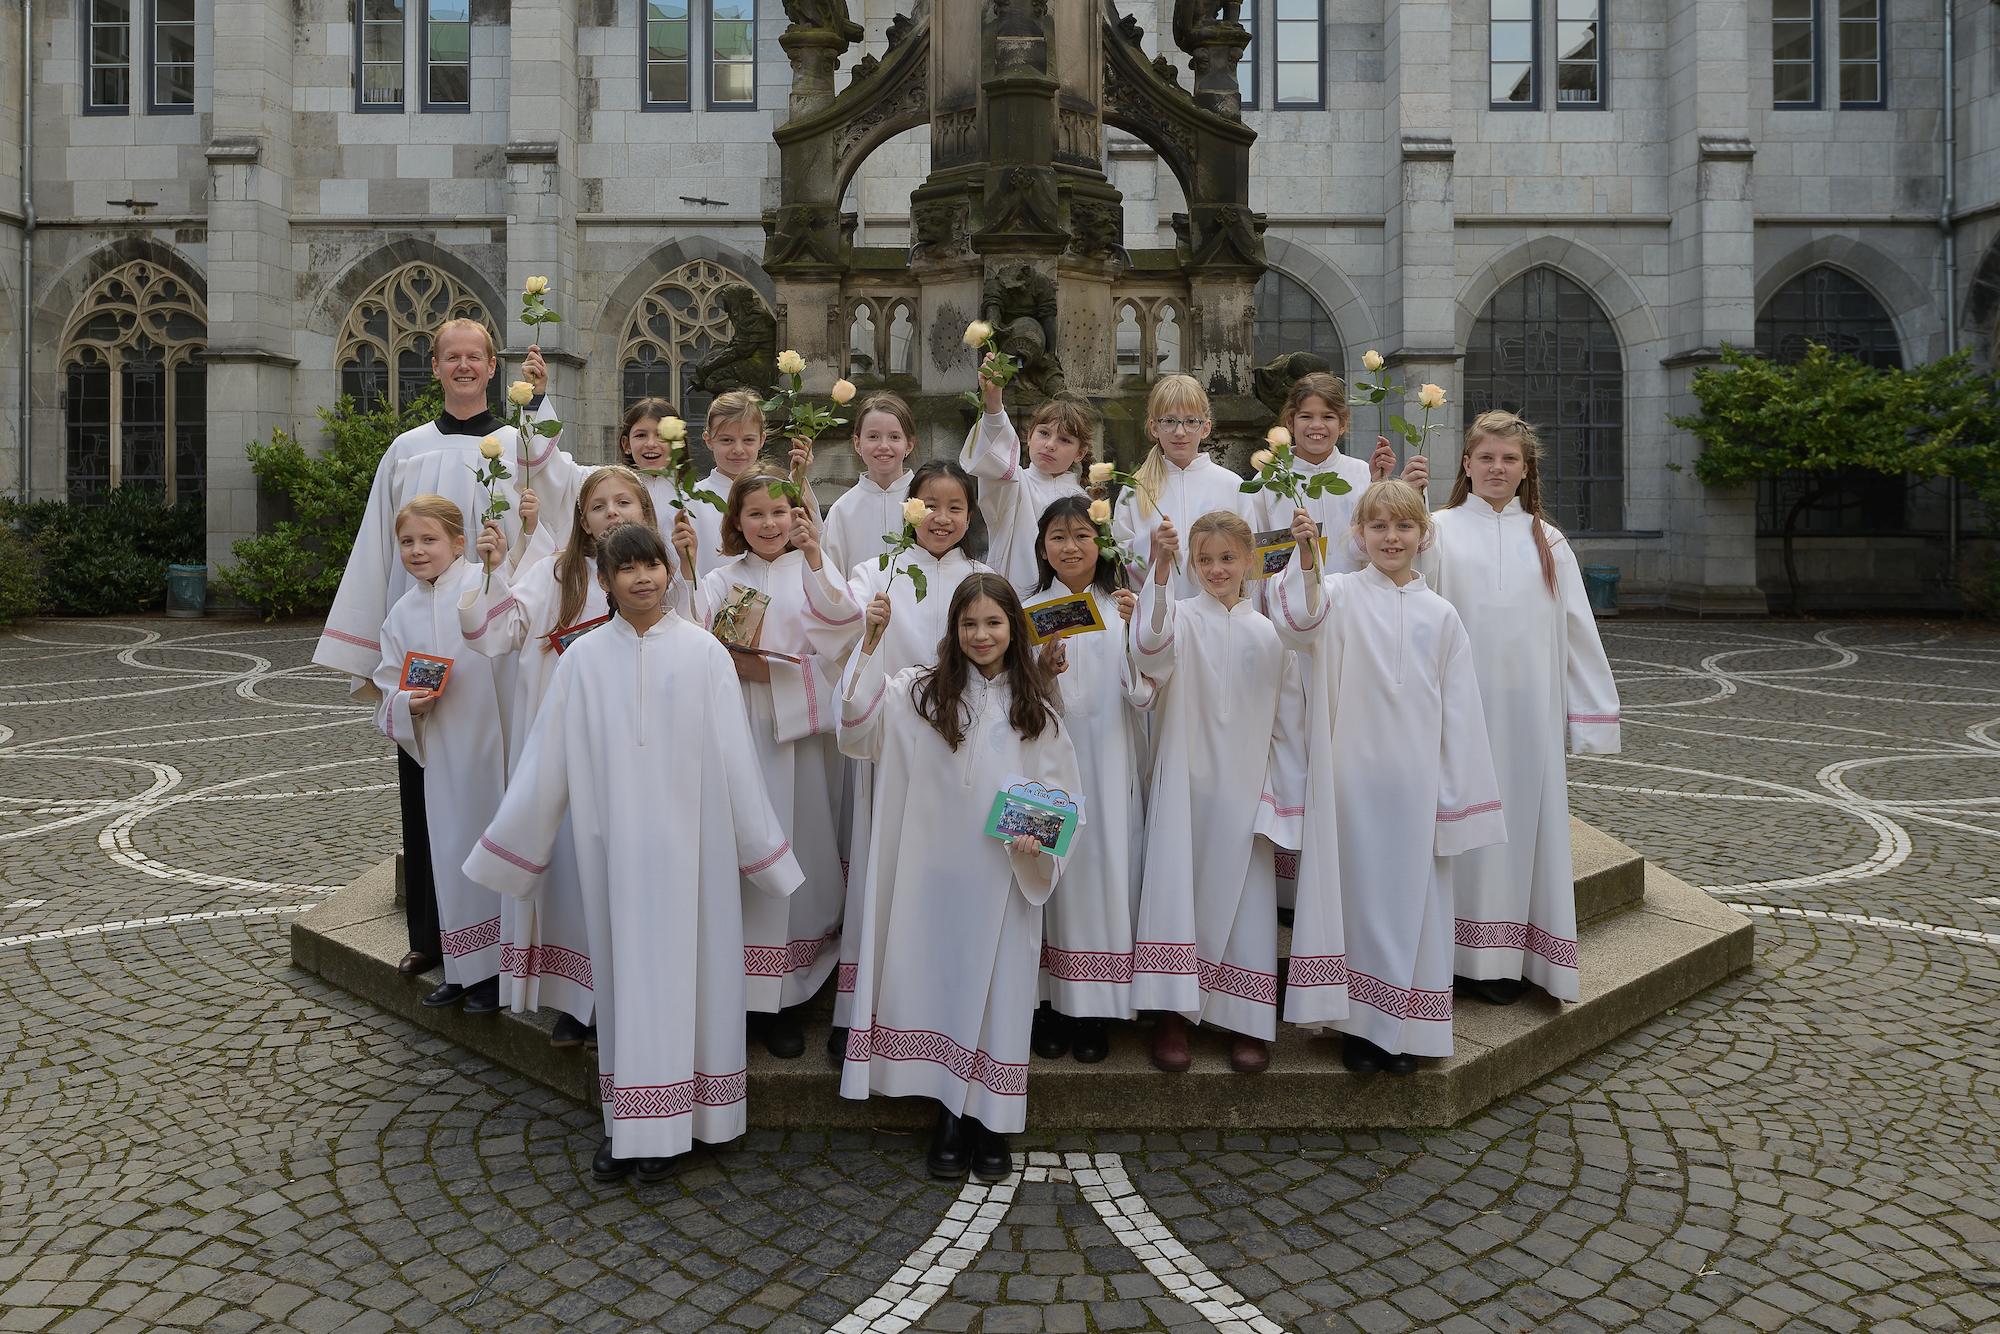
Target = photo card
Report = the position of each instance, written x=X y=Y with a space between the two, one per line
x=1057 y=618
x=1274 y=551
x=1013 y=815
x=425 y=671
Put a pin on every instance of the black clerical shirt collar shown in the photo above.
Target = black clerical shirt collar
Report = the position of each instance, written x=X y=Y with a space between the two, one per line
x=483 y=424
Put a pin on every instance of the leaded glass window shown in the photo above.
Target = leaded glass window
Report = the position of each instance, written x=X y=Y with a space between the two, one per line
x=675 y=325
x=1544 y=349
x=1290 y=319
x=135 y=409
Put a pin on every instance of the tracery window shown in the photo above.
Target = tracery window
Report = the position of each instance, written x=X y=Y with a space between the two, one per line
x=384 y=349
x=672 y=328
x=1291 y=319
x=135 y=405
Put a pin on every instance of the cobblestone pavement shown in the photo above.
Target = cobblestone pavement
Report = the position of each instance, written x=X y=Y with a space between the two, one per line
x=192 y=1135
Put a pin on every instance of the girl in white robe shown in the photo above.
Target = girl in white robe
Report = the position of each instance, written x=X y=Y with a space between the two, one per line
x=1206 y=945
x=943 y=510
x=1542 y=675
x=456 y=733
x=1399 y=764
x=790 y=945
x=1178 y=481
x=1087 y=929
x=885 y=432
x=1013 y=498
x=733 y=433
x=950 y=928
x=644 y=737
x=544 y=945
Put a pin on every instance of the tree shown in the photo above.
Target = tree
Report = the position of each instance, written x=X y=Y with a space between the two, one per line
x=1831 y=414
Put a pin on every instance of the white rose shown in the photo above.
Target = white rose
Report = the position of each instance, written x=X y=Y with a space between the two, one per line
x=536 y=287
x=1278 y=438
x=489 y=448
x=977 y=332
x=1100 y=473
x=790 y=363
x=1261 y=459
x=1100 y=511
x=1431 y=396
x=1371 y=360
x=673 y=430
x=842 y=391
x=520 y=393
x=914 y=511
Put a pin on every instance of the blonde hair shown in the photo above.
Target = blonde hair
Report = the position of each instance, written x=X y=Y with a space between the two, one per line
x=1317 y=384
x=432 y=506
x=1171 y=393
x=1503 y=425
x=572 y=566
x=437 y=336
x=1228 y=526
x=736 y=405
x=1393 y=499
x=1068 y=416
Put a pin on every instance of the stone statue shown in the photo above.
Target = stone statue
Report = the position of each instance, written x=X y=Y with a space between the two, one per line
x=825 y=15
x=1020 y=304
x=749 y=360
x=1193 y=17
x=1272 y=382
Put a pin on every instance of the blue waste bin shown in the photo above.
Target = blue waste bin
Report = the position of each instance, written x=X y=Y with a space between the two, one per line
x=187 y=590
x=1600 y=582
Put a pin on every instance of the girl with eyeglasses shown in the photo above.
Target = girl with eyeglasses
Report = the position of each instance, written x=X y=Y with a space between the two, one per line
x=1177 y=481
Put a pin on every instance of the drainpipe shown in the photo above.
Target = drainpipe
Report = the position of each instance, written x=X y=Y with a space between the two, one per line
x=1947 y=201
x=25 y=326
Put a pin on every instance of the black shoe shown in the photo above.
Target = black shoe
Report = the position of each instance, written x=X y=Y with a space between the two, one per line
x=836 y=1045
x=1090 y=1042
x=1360 y=1055
x=449 y=994
x=949 y=1156
x=483 y=997
x=1050 y=1038
x=570 y=1032
x=652 y=1171
x=607 y=1166
x=1400 y=1063
x=783 y=1037
x=991 y=1158
x=1498 y=990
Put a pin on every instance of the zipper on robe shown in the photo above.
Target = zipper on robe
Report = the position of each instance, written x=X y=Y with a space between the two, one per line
x=1399 y=634
x=642 y=692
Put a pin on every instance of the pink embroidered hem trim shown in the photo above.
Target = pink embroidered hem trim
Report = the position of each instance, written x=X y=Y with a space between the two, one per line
x=966 y=1064
x=1452 y=817
x=1593 y=717
x=530 y=867
x=1286 y=864
x=1152 y=956
x=545 y=961
x=794 y=956
x=648 y=1102
x=1086 y=965
x=1399 y=1002
x=1524 y=936
x=1317 y=970
x=844 y=982
x=470 y=939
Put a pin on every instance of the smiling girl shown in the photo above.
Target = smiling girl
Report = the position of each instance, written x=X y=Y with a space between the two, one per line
x=885 y=432
x=949 y=921
x=1177 y=481
x=1013 y=498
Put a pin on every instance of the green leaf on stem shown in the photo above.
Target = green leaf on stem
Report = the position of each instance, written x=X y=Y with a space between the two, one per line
x=548 y=430
x=918 y=581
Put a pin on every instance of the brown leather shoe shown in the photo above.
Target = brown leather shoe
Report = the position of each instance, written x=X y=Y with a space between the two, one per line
x=1249 y=1056
x=414 y=963
x=1170 y=1043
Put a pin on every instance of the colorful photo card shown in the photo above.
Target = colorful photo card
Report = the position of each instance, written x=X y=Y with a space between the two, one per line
x=1049 y=814
x=425 y=671
x=1057 y=618
x=1274 y=551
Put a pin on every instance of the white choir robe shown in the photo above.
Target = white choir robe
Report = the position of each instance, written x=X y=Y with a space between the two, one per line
x=462 y=744
x=1400 y=758
x=645 y=738
x=544 y=940
x=1186 y=494
x=1087 y=929
x=1012 y=496
x=1542 y=671
x=1206 y=944
x=707 y=521
x=860 y=517
x=437 y=458
x=790 y=945
x=915 y=629
x=950 y=921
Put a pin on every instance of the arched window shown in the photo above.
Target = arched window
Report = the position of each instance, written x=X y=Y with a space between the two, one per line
x=135 y=406
x=1828 y=306
x=1291 y=319
x=1544 y=348
x=672 y=328
x=384 y=350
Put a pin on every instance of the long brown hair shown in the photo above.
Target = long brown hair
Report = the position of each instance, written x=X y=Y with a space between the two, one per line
x=1507 y=426
x=645 y=409
x=941 y=690
x=573 y=562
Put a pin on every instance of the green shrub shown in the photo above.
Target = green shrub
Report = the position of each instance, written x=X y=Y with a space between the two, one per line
x=20 y=576
x=294 y=566
x=109 y=558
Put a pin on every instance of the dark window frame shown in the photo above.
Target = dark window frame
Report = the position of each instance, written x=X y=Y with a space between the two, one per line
x=1881 y=62
x=646 y=102
x=154 y=107
x=1278 y=102
x=1818 y=63
x=708 y=64
x=90 y=105
x=361 y=105
x=424 y=102
x=1249 y=61
x=1603 y=62
x=1534 y=102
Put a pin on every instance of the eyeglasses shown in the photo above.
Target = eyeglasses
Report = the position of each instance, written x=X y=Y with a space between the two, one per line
x=1180 y=423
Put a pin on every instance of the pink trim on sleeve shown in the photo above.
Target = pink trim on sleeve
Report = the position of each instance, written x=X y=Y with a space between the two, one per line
x=355 y=640
x=1285 y=603
x=1593 y=717
x=812 y=694
x=868 y=712
x=1481 y=808
x=808 y=579
x=486 y=842
x=767 y=863
x=530 y=461
x=1269 y=800
x=499 y=609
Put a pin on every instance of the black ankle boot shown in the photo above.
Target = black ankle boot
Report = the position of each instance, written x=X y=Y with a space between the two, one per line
x=607 y=1166
x=783 y=1037
x=1360 y=1055
x=1050 y=1038
x=1090 y=1042
x=992 y=1159
x=949 y=1156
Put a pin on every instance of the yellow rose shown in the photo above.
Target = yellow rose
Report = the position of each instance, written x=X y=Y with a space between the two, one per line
x=673 y=430
x=1371 y=360
x=842 y=391
x=1261 y=459
x=914 y=511
x=791 y=363
x=520 y=393
x=1100 y=473
x=1278 y=438
x=1100 y=511
x=977 y=332
x=1431 y=396
x=536 y=287
x=489 y=448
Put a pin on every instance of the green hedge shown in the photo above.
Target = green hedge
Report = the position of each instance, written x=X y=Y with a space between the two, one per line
x=96 y=560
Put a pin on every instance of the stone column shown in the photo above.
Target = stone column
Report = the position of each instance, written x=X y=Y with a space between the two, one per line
x=1711 y=533
x=542 y=186
x=250 y=282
